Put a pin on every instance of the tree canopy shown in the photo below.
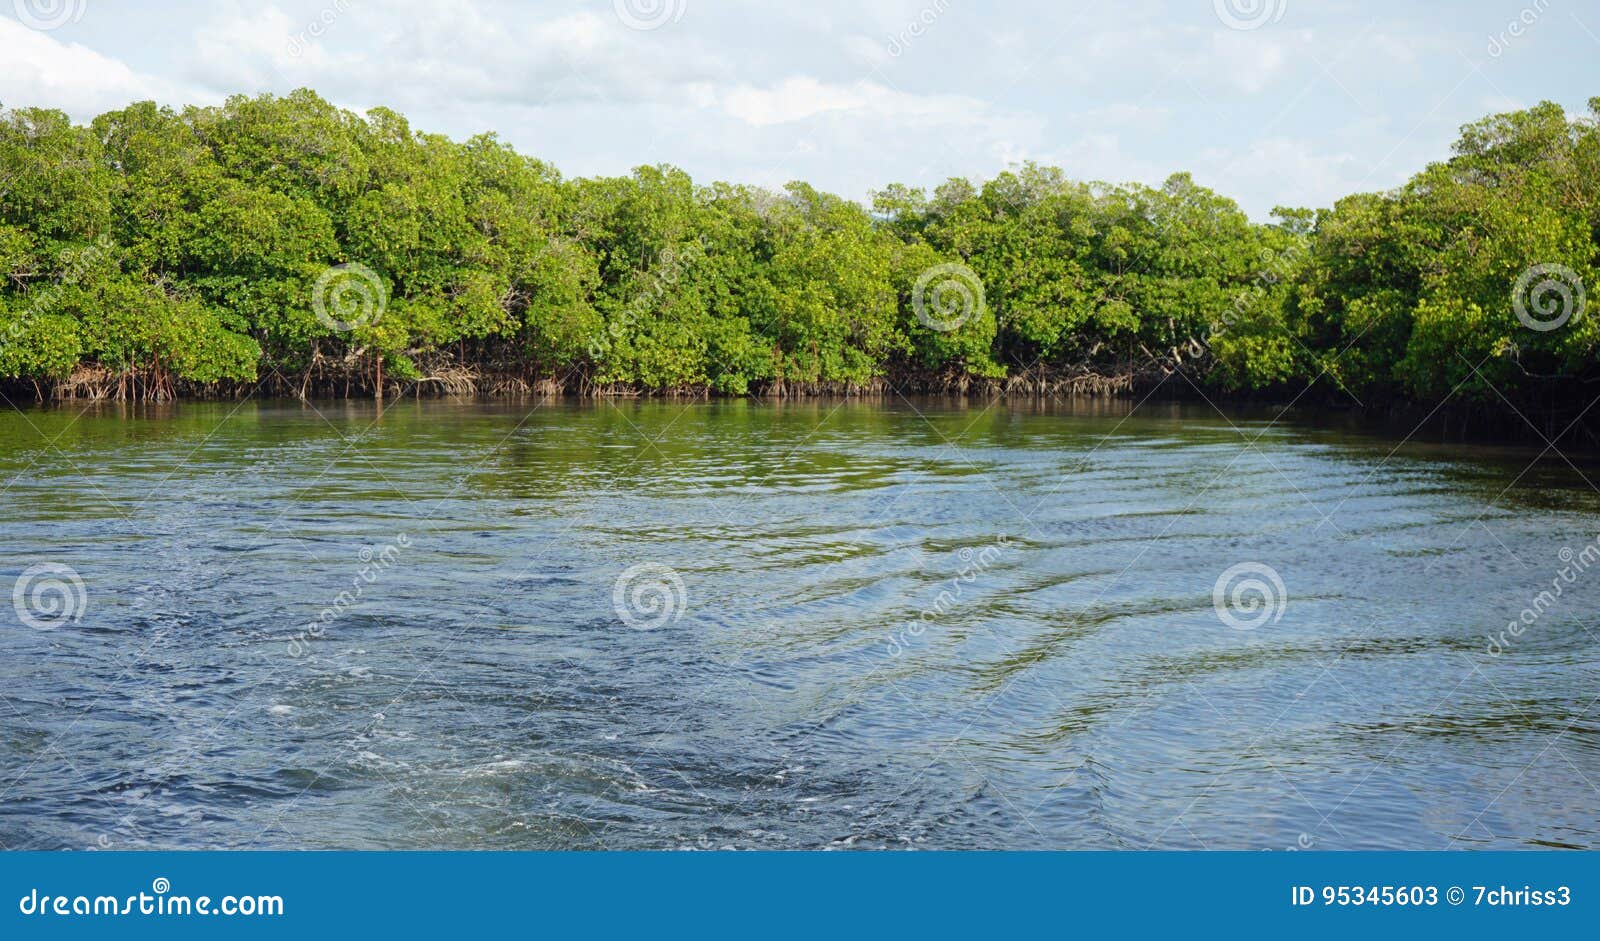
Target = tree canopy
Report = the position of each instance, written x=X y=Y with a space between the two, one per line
x=287 y=242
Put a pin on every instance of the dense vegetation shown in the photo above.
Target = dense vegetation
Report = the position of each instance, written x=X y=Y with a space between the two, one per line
x=287 y=243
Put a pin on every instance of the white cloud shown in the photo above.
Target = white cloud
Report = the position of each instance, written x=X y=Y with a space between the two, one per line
x=1396 y=49
x=801 y=97
x=1097 y=156
x=1129 y=114
x=1250 y=61
x=235 y=52
x=444 y=55
x=1281 y=171
x=41 y=70
x=866 y=52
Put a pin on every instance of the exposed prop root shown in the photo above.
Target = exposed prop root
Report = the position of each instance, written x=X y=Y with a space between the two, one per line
x=328 y=378
x=452 y=381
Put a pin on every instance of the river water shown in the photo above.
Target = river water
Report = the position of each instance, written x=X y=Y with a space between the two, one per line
x=803 y=625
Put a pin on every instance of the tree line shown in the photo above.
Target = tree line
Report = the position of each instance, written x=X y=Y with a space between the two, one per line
x=284 y=244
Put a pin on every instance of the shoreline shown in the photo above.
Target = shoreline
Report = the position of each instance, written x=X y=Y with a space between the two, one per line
x=1449 y=422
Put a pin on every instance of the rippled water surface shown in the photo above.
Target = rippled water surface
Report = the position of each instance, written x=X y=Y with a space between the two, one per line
x=898 y=626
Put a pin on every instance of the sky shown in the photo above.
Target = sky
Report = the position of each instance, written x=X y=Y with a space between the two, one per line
x=1271 y=102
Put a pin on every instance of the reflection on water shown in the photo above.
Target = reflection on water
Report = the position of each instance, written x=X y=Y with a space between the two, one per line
x=896 y=625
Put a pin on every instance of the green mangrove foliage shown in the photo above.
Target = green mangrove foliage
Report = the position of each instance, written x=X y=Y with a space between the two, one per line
x=284 y=243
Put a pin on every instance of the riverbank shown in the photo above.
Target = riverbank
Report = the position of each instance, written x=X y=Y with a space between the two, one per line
x=1572 y=429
